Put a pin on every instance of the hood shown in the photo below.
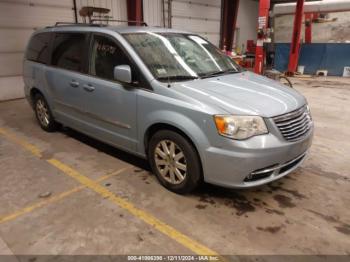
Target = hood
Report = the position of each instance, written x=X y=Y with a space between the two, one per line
x=244 y=94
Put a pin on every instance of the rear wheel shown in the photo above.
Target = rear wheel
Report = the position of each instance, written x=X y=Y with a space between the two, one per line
x=43 y=114
x=174 y=161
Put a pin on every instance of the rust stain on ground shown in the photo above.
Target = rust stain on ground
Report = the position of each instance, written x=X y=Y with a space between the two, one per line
x=294 y=193
x=345 y=229
x=327 y=218
x=342 y=227
x=207 y=199
x=199 y=206
x=271 y=230
x=274 y=211
x=284 y=201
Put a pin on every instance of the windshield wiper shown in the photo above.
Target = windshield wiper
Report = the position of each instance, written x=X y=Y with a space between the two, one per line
x=218 y=73
x=177 y=77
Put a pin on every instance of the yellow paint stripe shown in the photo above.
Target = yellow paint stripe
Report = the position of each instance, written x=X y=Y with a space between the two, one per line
x=161 y=226
x=53 y=199
x=146 y=217
x=31 y=148
x=40 y=204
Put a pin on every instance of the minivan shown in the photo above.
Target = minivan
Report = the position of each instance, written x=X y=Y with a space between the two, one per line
x=171 y=97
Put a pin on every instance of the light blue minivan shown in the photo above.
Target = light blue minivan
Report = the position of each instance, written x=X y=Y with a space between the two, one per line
x=169 y=96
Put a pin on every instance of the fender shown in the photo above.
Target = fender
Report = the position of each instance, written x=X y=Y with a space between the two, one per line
x=177 y=120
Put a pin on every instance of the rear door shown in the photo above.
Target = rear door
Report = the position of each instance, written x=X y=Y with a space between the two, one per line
x=110 y=105
x=37 y=56
x=66 y=75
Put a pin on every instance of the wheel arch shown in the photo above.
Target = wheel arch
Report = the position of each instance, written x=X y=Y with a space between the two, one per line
x=155 y=127
x=36 y=90
x=33 y=92
x=196 y=137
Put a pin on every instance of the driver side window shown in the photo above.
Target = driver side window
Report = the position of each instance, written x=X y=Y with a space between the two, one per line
x=105 y=55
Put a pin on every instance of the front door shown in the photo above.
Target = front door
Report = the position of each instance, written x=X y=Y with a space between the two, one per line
x=110 y=105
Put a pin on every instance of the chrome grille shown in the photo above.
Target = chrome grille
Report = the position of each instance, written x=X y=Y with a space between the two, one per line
x=294 y=125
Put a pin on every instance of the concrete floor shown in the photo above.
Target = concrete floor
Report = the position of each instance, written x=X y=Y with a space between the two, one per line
x=306 y=212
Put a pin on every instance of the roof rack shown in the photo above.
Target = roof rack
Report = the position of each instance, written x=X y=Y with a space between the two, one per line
x=97 y=20
x=72 y=23
x=116 y=20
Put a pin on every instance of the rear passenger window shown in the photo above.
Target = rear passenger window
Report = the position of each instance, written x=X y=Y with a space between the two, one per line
x=105 y=55
x=38 y=48
x=68 y=51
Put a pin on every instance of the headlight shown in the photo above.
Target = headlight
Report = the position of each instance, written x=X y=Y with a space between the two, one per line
x=240 y=127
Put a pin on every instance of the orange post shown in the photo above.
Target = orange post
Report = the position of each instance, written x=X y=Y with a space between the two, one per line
x=295 y=44
x=264 y=8
x=308 y=28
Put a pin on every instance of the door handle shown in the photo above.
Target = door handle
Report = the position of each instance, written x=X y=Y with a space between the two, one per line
x=74 y=83
x=89 y=88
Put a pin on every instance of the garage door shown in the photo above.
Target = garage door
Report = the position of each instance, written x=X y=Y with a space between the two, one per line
x=199 y=16
x=18 y=19
x=153 y=12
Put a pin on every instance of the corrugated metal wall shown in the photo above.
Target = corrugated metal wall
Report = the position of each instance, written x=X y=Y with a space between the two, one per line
x=247 y=21
x=200 y=16
x=153 y=12
x=18 y=19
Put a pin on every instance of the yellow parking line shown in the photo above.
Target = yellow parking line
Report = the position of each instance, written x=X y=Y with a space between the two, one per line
x=53 y=199
x=31 y=148
x=161 y=226
x=148 y=218
x=29 y=209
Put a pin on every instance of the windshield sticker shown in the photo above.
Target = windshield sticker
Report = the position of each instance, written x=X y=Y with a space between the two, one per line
x=161 y=71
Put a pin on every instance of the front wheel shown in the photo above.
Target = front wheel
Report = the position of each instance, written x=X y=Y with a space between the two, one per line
x=175 y=161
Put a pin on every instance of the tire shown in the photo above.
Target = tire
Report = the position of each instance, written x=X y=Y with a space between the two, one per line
x=43 y=114
x=170 y=153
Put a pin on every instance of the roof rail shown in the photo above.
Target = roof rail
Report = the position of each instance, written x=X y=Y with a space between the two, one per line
x=72 y=23
x=116 y=20
x=97 y=20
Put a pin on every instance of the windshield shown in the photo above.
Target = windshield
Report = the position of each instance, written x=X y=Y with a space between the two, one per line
x=173 y=56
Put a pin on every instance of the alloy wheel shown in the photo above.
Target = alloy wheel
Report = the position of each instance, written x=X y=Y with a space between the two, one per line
x=42 y=112
x=170 y=162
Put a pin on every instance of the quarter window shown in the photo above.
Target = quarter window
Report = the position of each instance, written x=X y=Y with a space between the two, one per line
x=38 y=49
x=105 y=55
x=68 y=51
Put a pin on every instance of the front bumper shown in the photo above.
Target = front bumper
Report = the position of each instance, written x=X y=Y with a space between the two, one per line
x=256 y=161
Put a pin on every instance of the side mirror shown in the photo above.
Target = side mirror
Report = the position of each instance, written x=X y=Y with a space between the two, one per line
x=122 y=73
